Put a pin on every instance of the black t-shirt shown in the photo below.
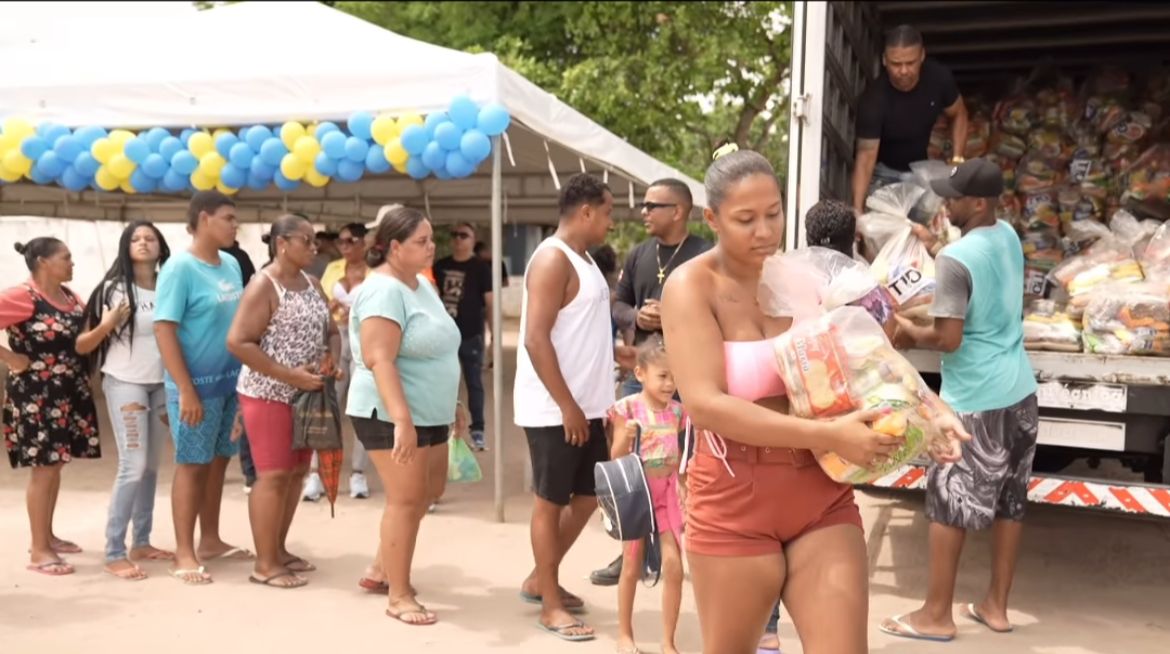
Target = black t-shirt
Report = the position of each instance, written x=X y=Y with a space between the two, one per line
x=462 y=285
x=247 y=268
x=639 y=280
x=903 y=120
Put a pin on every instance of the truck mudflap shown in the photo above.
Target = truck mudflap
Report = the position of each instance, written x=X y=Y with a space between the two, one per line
x=1131 y=498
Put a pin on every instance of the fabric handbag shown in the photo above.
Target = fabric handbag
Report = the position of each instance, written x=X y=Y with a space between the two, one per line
x=317 y=419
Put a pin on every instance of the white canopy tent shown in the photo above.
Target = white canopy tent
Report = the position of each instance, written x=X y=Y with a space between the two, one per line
x=267 y=63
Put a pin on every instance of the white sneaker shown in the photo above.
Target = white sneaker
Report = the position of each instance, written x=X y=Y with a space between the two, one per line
x=247 y=489
x=313 y=489
x=359 y=489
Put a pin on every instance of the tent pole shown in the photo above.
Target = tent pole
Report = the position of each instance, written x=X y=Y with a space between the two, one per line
x=497 y=327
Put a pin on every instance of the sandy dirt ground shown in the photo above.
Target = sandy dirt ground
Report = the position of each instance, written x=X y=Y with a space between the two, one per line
x=1087 y=584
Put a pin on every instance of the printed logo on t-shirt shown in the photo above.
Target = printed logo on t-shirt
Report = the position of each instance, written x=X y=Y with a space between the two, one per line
x=453 y=281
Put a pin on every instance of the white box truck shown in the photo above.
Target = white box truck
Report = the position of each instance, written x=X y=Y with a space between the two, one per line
x=1093 y=408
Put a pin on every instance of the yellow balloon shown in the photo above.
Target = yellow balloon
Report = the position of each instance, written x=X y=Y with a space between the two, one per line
x=211 y=164
x=290 y=132
x=200 y=144
x=18 y=127
x=127 y=187
x=311 y=130
x=315 y=178
x=225 y=189
x=396 y=154
x=120 y=166
x=202 y=182
x=409 y=119
x=293 y=167
x=306 y=148
x=104 y=149
x=17 y=163
x=7 y=142
x=106 y=180
x=383 y=129
x=120 y=136
x=400 y=168
x=222 y=130
x=8 y=175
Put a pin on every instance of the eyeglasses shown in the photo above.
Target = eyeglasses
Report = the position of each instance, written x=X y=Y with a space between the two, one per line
x=349 y=240
x=648 y=207
x=460 y=235
x=307 y=240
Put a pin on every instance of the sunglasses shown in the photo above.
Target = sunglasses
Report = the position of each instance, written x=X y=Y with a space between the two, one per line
x=460 y=235
x=651 y=206
x=350 y=240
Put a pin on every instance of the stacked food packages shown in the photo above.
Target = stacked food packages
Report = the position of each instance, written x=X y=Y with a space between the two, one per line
x=1048 y=326
x=1131 y=319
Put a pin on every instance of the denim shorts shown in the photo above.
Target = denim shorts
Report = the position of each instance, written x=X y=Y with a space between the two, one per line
x=201 y=443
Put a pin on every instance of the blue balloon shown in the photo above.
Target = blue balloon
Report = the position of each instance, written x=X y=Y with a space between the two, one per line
x=350 y=171
x=87 y=135
x=73 y=180
x=325 y=164
x=493 y=119
x=261 y=170
x=142 y=182
x=155 y=166
x=241 y=156
x=356 y=149
x=154 y=138
x=359 y=124
x=185 y=135
x=333 y=144
x=33 y=147
x=169 y=147
x=447 y=135
x=256 y=183
x=283 y=183
x=174 y=181
x=53 y=132
x=433 y=155
x=325 y=128
x=376 y=161
x=43 y=129
x=38 y=177
x=50 y=165
x=68 y=147
x=475 y=146
x=273 y=151
x=256 y=136
x=458 y=166
x=441 y=174
x=184 y=162
x=136 y=150
x=414 y=139
x=86 y=165
x=464 y=112
x=233 y=176
x=416 y=168
x=433 y=120
x=224 y=143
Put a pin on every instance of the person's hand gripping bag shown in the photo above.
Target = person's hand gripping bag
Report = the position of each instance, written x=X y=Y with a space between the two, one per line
x=903 y=264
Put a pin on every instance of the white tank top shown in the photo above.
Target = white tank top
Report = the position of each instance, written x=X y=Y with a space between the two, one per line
x=583 y=339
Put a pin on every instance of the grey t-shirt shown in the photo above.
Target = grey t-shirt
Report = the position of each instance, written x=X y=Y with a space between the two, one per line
x=952 y=291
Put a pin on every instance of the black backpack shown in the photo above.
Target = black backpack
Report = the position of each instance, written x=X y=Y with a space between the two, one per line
x=627 y=510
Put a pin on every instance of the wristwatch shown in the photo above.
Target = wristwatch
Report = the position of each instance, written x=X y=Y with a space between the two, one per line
x=957 y=159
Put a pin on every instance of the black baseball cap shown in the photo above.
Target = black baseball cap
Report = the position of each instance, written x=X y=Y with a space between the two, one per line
x=976 y=178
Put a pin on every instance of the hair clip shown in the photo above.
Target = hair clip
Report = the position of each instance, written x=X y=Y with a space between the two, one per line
x=724 y=150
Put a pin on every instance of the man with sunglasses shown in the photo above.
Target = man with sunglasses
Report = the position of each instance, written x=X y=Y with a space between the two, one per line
x=465 y=284
x=665 y=208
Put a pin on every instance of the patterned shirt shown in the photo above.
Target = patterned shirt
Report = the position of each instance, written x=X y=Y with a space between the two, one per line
x=660 y=429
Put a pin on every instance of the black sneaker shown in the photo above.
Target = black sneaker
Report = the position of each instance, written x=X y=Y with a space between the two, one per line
x=479 y=441
x=609 y=575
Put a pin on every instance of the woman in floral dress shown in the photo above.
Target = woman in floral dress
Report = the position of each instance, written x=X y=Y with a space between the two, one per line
x=49 y=416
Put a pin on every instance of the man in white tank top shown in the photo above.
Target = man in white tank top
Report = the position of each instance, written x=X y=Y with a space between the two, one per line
x=564 y=386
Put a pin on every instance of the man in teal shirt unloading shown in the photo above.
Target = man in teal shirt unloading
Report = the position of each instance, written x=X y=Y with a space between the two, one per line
x=988 y=380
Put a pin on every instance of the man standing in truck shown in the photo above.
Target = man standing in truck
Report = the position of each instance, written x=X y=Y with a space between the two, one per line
x=988 y=380
x=898 y=110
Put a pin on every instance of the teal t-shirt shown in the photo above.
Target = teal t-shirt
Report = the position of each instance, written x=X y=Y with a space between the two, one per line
x=981 y=281
x=202 y=299
x=428 y=357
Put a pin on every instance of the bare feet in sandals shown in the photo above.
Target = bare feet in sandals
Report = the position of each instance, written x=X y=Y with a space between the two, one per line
x=190 y=572
x=151 y=553
x=282 y=578
x=124 y=569
x=219 y=550
x=62 y=546
x=563 y=625
x=409 y=611
x=296 y=563
x=52 y=568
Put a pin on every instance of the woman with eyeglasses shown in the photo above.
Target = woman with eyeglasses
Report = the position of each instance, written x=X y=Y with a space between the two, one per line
x=286 y=341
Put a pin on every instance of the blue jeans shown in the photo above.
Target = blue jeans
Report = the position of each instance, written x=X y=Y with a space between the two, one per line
x=246 y=465
x=774 y=621
x=136 y=414
x=471 y=360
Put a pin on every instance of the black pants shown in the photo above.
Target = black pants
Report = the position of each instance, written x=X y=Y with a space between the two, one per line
x=471 y=360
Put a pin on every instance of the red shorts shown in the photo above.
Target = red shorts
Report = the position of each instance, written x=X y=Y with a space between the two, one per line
x=269 y=428
x=776 y=496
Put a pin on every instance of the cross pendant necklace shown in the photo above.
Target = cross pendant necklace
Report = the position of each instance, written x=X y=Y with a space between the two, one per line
x=658 y=258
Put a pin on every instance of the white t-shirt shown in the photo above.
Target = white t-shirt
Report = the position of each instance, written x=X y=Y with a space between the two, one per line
x=137 y=362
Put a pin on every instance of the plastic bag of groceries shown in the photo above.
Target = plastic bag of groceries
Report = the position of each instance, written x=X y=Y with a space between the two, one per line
x=1047 y=326
x=806 y=283
x=1037 y=173
x=1147 y=179
x=903 y=265
x=1128 y=319
x=922 y=174
x=843 y=362
x=1108 y=261
x=1155 y=259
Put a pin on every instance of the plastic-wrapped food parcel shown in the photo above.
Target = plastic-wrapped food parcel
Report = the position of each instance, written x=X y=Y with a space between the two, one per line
x=836 y=358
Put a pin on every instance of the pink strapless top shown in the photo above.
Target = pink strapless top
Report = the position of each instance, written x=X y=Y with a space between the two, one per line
x=751 y=370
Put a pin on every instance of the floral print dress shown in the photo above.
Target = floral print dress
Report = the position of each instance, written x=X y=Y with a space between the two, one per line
x=49 y=414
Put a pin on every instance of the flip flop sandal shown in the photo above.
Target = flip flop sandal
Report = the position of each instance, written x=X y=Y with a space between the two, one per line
x=971 y=613
x=65 y=547
x=157 y=555
x=422 y=610
x=299 y=583
x=52 y=568
x=134 y=573
x=299 y=565
x=231 y=555
x=560 y=631
x=182 y=575
x=572 y=604
x=373 y=586
x=904 y=630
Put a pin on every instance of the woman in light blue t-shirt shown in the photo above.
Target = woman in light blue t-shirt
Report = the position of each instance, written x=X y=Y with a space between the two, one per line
x=403 y=393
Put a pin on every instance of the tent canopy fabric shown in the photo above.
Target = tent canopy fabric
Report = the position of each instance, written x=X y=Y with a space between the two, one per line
x=239 y=65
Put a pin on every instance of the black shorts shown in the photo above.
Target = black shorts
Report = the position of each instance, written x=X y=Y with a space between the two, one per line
x=376 y=434
x=561 y=471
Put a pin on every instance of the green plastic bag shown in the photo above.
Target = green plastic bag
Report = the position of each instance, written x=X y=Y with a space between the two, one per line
x=461 y=464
